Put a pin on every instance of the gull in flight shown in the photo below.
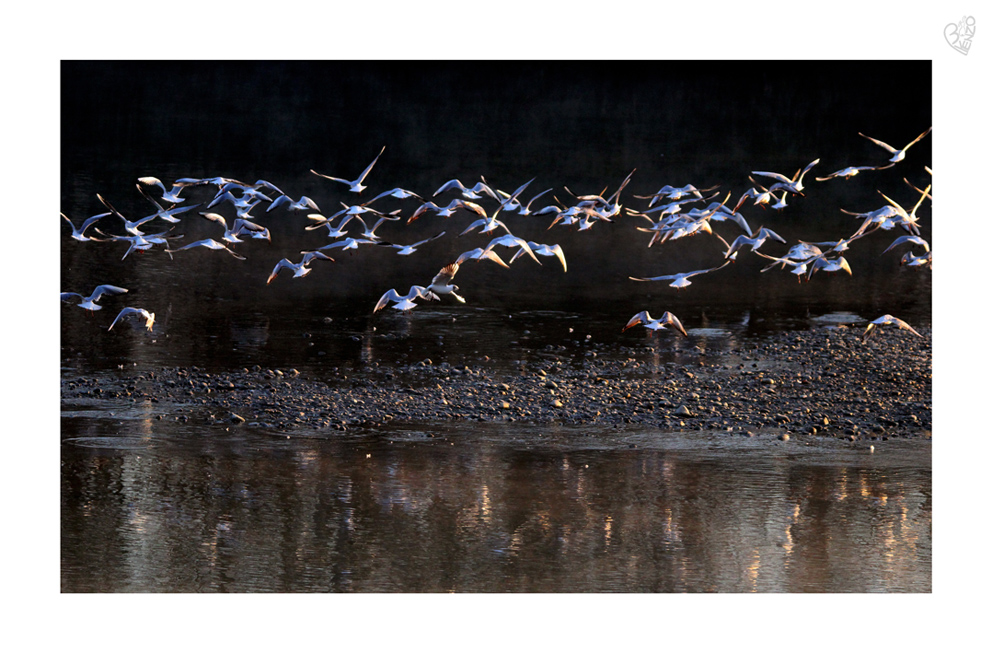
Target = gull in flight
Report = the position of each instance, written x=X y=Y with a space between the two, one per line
x=240 y=228
x=544 y=250
x=398 y=193
x=349 y=243
x=300 y=269
x=130 y=312
x=405 y=302
x=447 y=211
x=303 y=203
x=666 y=320
x=828 y=265
x=441 y=284
x=681 y=279
x=887 y=320
x=90 y=303
x=756 y=242
x=209 y=243
x=911 y=260
x=479 y=253
x=794 y=185
x=406 y=250
x=799 y=266
x=672 y=193
x=761 y=197
x=131 y=226
x=916 y=240
x=141 y=242
x=162 y=212
x=509 y=240
x=897 y=155
x=167 y=195
x=851 y=171
x=474 y=193
x=80 y=234
x=355 y=186
x=525 y=210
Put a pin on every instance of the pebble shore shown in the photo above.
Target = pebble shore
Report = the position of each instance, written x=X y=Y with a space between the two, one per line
x=823 y=382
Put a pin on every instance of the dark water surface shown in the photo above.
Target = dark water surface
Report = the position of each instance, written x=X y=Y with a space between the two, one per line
x=157 y=505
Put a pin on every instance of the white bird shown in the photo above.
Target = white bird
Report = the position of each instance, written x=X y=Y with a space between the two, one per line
x=80 y=233
x=209 y=243
x=897 y=155
x=141 y=242
x=509 y=240
x=171 y=195
x=404 y=302
x=834 y=246
x=355 y=186
x=916 y=240
x=447 y=211
x=672 y=193
x=851 y=171
x=828 y=265
x=525 y=210
x=303 y=203
x=300 y=269
x=479 y=253
x=799 y=266
x=488 y=225
x=90 y=303
x=166 y=214
x=794 y=185
x=911 y=260
x=666 y=320
x=239 y=228
x=681 y=279
x=406 y=250
x=441 y=284
x=398 y=193
x=544 y=250
x=131 y=226
x=474 y=193
x=756 y=242
x=349 y=243
x=129 y=312
x=761 y=197
x=887 y=320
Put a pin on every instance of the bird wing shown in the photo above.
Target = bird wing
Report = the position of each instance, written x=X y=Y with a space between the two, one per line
x=446 y=274
x=390 y=296
x=454 y=183
x=641 y=318
x=343 y=181
x=106 y=289
x=279 y=201
x=283 y=263
x=668 y=318
x=365 y=172
x=917 y=139
x=888 y=147
x=774 y=175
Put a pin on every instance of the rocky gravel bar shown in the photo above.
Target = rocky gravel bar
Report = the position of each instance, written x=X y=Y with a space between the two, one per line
x=823 y=382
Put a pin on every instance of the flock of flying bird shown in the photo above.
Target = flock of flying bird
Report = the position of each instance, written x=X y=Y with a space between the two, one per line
x=666 y=217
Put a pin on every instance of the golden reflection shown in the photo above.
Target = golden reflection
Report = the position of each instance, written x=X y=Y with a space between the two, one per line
x=751 y=573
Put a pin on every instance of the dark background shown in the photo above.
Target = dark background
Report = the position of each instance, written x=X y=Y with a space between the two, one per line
x=580 y=124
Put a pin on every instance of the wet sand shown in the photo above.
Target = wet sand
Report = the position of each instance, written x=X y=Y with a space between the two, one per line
x=821 y=382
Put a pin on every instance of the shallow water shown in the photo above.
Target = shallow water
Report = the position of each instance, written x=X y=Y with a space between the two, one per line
x=154 y=504
x=151 y=506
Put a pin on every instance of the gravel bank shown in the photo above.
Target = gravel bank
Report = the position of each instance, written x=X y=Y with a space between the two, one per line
x=823 y=382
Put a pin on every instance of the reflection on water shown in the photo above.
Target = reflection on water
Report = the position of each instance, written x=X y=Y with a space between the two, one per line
x=487 y=509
